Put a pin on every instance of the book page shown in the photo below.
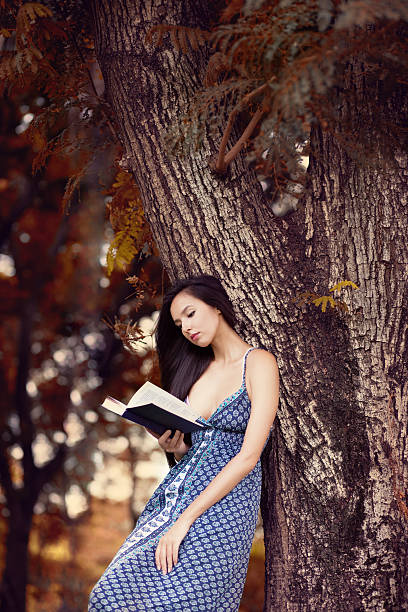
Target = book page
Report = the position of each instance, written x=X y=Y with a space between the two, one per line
x=150 y=393
x=114 y=405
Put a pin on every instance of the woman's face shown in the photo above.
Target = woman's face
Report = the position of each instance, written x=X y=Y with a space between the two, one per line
x=197 y=320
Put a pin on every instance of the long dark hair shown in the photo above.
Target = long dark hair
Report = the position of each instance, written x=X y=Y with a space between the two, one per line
x=181 y=363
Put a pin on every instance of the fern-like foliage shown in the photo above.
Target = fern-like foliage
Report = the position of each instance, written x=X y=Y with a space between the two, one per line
x=311 y=297
x=301 y=52
x=345 y=283
x=132 y=232
x=46 y=50
x=28 y=55
x=45 y=53
x=282 y=63
x=131 y=334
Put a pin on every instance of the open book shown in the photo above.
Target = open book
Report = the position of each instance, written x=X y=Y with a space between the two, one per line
x=155 y=409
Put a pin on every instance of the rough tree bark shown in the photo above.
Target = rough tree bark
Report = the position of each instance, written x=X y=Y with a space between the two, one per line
x=332 y=503
x=336 y=514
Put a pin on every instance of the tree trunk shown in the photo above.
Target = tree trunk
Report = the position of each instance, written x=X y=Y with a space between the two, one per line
x=334 y=468
x=201 y=222
x=335 y=516
x=14 y=579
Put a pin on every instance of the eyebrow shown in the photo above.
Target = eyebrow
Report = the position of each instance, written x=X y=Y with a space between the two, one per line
x=185 y=308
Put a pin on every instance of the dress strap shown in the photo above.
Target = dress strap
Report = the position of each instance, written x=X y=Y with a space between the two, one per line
x=243 y=370
x=244 y=363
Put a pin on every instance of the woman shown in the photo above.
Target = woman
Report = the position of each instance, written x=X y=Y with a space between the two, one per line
x=189 y=551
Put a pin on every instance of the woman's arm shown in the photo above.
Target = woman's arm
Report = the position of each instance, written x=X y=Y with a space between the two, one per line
x=263 y=376
x=230 y=475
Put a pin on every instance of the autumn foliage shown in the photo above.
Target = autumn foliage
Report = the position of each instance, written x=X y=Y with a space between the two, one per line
x=276 y=67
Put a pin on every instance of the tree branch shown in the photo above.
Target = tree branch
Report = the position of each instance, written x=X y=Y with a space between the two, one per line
x=223 y=159
x=233 y=152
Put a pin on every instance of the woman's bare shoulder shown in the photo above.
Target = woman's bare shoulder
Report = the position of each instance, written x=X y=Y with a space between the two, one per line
x=260 y=363
x=261 y=360
x=260 y=355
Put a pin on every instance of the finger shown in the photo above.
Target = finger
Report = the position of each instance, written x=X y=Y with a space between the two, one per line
x=163 y=440
x=174 y=557
x=157 y=556
x=175 y=441
x=170 y=558
x=179 y=434
x=163 y=559
x=165 y=435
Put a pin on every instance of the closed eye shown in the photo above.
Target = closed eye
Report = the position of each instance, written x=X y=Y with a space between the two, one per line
x=189 y=315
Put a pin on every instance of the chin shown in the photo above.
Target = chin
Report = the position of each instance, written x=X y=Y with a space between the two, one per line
x=200 y=343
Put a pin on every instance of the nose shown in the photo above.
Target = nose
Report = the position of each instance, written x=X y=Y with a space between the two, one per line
x=185 y=327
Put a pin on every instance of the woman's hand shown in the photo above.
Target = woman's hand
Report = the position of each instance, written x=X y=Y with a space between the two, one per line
x=168 y=546
x=175 y=444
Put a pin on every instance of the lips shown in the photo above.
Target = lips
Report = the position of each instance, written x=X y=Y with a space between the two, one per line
x=194 y=336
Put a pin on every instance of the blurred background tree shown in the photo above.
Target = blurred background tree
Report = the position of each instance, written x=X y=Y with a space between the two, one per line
x=59 y=360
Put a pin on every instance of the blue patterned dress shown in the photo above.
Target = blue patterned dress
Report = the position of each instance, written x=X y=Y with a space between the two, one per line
x=213 y=556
